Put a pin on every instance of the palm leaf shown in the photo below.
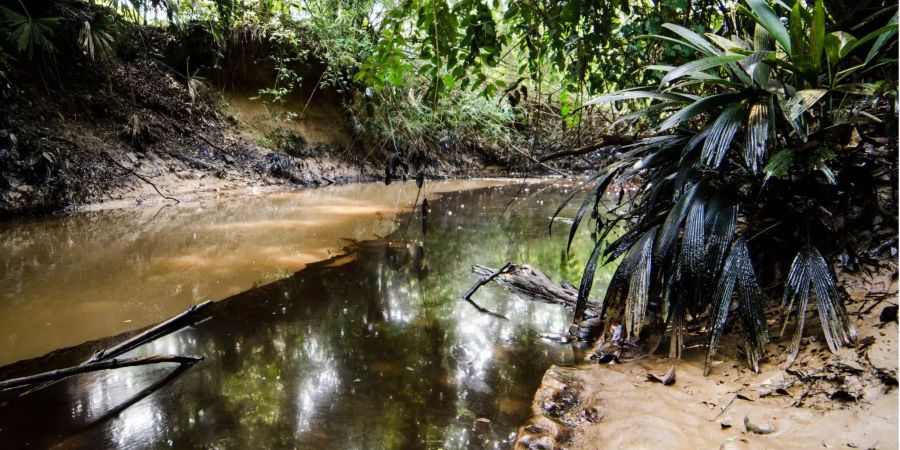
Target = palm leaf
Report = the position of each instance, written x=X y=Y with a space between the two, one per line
x=639 y=284
x=677 y=215
x=699 y=66
x=587 y=282
x=765 y=16
x=700 y=106
x=694 y=40
x=801 y=101
x=750 y=308
x=721 y=303
x=757 y=135
x=722 y=132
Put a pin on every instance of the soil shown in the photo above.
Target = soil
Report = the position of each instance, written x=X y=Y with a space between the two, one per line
x=127 y=130
x=824 y=400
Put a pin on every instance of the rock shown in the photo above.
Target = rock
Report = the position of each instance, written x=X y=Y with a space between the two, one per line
x=758 y=428
x=888 y=314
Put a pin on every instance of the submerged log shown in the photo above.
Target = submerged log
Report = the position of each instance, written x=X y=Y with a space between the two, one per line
x=55 y=375
x=526 y=280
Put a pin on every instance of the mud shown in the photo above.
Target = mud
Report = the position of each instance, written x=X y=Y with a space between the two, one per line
x=824 y=400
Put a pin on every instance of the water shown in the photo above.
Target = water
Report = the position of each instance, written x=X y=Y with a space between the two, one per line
x=68 y=280
x=373 y=350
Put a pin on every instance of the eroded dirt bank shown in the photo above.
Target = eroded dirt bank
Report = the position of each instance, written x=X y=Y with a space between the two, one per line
x=134 y=129
x=824 y=400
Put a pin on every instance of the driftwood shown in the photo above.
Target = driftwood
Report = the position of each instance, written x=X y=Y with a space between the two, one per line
x=150 y=334
x=533 y=283
x=156 y=332
x=485 y=279
x=55 y=375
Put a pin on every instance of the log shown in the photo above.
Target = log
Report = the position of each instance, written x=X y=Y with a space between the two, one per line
x=156 y=332
x=59 y=374
x=485 y=279
x=531 y=282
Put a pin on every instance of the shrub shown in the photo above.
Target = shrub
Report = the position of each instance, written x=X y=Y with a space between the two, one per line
x=743 y=146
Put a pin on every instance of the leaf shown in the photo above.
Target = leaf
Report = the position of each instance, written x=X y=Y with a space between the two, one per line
x=835 y=322
x=801 y=101
x=569 y=199
x=750 y=308
x=757 y=66
x=721 y=133
x=757 y=135
x=694 y=40
x=765 y=16
x=836 y=45
x=857 y=88
x=882 y=40
x=725 y=43
x=779 y=164
x=635 y=95
x=700 y=106
x=810 y=271
x=677 y=214
x=698 y=66
x=817 y=34
x=797 y=31
x=639 y=285
x=587 y=282
x=721 y=303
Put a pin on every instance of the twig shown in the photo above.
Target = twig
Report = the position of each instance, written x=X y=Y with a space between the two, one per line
x=537 y=161
x=59 y=374
x=605 y=141
x=150 y=334
x=485 y=310
x=485 y=280
x=142 y=178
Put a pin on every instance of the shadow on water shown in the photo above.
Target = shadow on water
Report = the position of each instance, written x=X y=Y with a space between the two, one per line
x=373 y=350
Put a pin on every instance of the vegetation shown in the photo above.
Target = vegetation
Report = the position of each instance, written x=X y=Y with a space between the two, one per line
x=747 y=148
x=750 y=155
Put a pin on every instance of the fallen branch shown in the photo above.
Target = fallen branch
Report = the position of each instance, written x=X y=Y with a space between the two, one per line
x=59 y=374
x=604 y=141
x=526 y=280
x=485 y=280
x=532 y=158
x=151 y=334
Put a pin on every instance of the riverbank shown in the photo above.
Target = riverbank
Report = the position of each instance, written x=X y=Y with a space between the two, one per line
x=824 y=400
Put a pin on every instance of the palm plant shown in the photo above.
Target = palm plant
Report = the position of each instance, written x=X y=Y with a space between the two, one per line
x=28 y=33
x=97 y=39
x=749 y=111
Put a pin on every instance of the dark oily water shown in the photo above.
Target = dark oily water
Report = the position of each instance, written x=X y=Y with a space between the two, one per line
x=67 y=280
x=373 y=350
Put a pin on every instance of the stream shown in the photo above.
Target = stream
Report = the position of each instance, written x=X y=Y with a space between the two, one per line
x=371 y=349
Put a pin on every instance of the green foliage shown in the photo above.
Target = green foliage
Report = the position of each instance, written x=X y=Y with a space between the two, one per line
x=97 y=39
x=747 y=109
x=28 y=33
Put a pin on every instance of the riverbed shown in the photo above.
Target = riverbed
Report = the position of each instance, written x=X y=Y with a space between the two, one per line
x=373 y=349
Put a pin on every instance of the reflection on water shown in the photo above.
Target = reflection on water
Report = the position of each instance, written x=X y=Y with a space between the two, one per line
x=378 y=352
x=67 y=280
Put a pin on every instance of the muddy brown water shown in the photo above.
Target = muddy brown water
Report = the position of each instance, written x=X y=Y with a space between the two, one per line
x=369 y=350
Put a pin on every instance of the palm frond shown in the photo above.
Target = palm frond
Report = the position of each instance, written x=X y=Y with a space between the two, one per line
x=722 y=132
x=810 y=271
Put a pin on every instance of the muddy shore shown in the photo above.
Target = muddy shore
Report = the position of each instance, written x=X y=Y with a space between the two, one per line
x=824 y=400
